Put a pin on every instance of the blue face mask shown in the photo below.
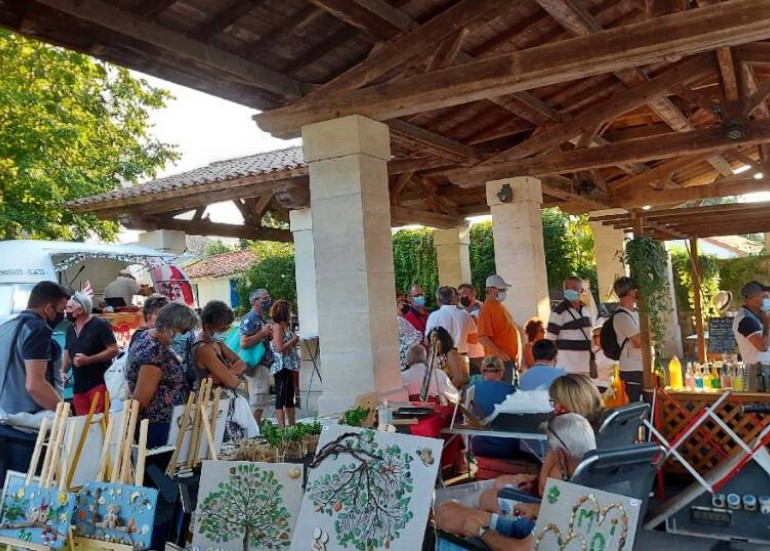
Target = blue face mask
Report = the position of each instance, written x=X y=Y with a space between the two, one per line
x=180 y=338
x=265 y=305
x=766 y=304
x=571 y=295
x=418 y=302
x=219 y=336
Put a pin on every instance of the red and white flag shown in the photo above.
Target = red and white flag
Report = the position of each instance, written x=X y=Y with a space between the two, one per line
x=87 y=289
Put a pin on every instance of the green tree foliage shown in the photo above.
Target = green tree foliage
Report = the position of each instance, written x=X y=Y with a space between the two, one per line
x=274 y=271
x=683 y=286
x=648 y=264
x=482 y=255
x=414 y=258
x=734 y=273
x=569 y=247
x=70 y=126
x=217 y=247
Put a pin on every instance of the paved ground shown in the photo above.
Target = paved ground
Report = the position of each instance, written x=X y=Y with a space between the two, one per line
x=660 y=541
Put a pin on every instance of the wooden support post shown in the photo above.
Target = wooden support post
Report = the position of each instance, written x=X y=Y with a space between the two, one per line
x=644 y=320
x=695 y=271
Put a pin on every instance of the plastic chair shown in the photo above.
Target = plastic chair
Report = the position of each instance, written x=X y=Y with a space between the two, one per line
x=620 y=426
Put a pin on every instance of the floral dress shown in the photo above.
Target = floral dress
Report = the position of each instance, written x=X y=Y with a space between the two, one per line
x=172 y=388
x=289 y=359
x=407 y=336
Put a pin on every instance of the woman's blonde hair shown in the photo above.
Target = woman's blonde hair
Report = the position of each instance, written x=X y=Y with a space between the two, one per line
x=578 y=395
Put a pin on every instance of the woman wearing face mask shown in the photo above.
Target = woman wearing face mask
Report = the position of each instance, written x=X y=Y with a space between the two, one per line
x=407 y=334
x=154 y=373
x=417 y=314
x=285 y=362
x=212 y=358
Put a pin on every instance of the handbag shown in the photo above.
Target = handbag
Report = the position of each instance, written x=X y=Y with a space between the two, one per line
x=593 y=368
x=251 y=356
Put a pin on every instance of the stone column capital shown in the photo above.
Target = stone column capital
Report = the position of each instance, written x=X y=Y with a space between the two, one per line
x=300 y=220
x=353 y=135
x=524 y=189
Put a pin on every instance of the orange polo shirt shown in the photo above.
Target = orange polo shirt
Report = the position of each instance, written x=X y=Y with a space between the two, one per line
x=496 y=323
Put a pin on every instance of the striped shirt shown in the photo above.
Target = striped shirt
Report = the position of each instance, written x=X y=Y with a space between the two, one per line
x=571 y=330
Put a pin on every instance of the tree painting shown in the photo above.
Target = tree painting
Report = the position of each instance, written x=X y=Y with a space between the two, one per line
x=369 y=495
x=248 y=506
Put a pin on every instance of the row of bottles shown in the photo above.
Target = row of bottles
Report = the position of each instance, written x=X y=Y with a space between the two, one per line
x=708 y=377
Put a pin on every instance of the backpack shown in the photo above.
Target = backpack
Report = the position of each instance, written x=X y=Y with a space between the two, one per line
x=608 y=338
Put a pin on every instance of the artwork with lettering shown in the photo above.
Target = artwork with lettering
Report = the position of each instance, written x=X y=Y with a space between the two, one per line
x=575 y=517
x=367 y=490
x=247 y=506
x=117 y=513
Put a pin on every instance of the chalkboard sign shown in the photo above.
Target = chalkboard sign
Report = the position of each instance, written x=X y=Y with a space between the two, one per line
x=721 y=336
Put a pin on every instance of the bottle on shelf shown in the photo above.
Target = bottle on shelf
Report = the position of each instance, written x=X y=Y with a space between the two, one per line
x=706 y=377
x=689 y=378
x=716 y=381
x=675 y=374
x=698 y=378
x=659 y=375
x=726 y=378
x=738 y=385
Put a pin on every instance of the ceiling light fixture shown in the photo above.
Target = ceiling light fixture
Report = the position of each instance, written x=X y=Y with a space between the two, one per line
x=758 y=176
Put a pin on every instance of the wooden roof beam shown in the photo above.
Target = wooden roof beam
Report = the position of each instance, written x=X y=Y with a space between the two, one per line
x=375 y=17
x=226 y=18
x=123 y=22
x=206 y=227
x=402 y=216
x=658 y=175
x=428 y=191
x=436 y=142
x=622 y=102
x=667 y=146
x=149 y=9
x=729 y=23
x=575 y=18
x=640 y=197
x=728 y=74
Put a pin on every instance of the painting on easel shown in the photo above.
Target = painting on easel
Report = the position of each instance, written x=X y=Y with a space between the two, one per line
x=247 y=506
x=116 y=513
x=36 y=515
x=367 y=490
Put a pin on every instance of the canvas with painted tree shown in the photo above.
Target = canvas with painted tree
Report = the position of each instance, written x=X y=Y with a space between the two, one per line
x=247 y=506
x=578 y=517
x=367 y=490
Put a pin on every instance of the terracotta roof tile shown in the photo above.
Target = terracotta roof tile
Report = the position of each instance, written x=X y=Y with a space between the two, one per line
x=252 y=165
x=222 y=265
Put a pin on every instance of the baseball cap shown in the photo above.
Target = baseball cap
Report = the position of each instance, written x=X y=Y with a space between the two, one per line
x=752 y=288
x=126 y=272
x=497 y=282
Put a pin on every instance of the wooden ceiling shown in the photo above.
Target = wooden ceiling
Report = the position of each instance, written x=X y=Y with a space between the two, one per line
x=614 y=103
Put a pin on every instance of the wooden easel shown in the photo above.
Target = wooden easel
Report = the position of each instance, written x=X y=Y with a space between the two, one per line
x=121 y=469
x=53 y=473
x=203 y=426
x=84 y=434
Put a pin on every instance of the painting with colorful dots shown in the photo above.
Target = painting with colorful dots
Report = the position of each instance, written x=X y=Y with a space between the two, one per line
x=247 y=506
x=367 y=490
x=117 y=513
x=575 y=517
x=36 y=515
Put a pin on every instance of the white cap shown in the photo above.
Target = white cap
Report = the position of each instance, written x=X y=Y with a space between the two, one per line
x=497 y=282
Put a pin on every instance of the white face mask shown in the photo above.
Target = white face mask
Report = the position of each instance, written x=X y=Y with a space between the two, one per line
x=501 y=296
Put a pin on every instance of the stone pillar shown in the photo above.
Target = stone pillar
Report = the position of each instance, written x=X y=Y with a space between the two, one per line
x=672 y=344
x=301 y=225
x=607 y=242
x=454 y=261
x=519 y=252
x=350 y=202
x=167 y=241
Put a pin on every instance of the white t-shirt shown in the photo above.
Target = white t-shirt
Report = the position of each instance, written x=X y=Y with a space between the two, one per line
x=440 y=385
x=626 y=325
x=745 y=324
x=457 y=322
x=122 y=287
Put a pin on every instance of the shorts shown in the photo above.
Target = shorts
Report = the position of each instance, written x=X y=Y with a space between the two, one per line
x=259 y=388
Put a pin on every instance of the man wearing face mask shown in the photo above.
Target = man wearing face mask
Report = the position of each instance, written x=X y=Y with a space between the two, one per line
x=497 y=330
x=752 y=322
x=417 y=314
x=25 y=352
x=468 y=302
x=570 y=326
x=254 y=329
x=625 y=321
x=89 y=349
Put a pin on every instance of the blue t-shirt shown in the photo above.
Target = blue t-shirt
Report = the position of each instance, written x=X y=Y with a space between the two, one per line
x=540 y=377
x=251 y=323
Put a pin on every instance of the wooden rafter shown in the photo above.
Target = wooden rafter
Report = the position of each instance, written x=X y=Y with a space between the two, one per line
x=370 y=16
x=435 y=142
x=575 y=18
x=645 y=149
x=614 y=49
x=426 y=189
x=640 y=197
x=226 y=18
x=727 y=71
x=206 y=227
x=260 y=207
x=149 y=9
x=402 y=216
x=115 y=19
x=660 y=174
x=618 y=104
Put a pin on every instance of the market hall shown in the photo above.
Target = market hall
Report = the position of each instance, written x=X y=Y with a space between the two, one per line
x=483 y=107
